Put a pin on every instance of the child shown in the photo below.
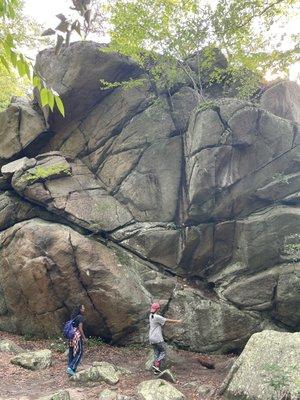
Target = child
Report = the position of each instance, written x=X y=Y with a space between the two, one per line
x=76 y=344
x=155 y=335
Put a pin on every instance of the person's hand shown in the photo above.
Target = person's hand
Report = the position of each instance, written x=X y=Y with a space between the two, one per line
x=179 y=321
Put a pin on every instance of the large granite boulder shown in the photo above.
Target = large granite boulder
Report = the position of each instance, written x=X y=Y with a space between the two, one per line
x=149 y=196
x=57 y=268
x=209 y=325
x=264 y=375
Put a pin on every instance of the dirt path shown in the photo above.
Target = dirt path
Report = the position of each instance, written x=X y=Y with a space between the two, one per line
x=18 y=383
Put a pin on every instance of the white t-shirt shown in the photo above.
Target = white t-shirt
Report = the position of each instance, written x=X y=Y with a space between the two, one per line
x=155 y=333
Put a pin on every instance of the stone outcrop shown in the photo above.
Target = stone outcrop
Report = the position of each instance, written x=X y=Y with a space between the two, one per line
x=139 y=195
x=260 y=374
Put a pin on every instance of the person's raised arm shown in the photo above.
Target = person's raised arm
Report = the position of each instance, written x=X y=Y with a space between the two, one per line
x=174 y=321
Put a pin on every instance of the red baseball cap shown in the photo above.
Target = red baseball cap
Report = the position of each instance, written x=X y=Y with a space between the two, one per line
x=154 y=307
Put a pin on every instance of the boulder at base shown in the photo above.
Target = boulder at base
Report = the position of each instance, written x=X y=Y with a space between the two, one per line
x=99 y=372
x=61 y=395
x=34 y=360
x=8 y=346
x=268 y=368
x=158 y=390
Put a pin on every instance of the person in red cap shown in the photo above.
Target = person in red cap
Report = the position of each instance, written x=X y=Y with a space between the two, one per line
x=155 y=335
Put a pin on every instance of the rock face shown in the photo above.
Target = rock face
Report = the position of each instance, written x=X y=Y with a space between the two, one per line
x=260 y=374
x=283 y=99
x=77 y=70
x=137 y=196
x=20 y=125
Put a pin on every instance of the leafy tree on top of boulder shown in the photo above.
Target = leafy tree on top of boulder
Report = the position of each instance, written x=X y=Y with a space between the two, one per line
x=168 y=32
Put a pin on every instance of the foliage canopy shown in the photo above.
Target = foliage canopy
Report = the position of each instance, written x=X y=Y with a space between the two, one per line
x=13 y=35
x=169 y=31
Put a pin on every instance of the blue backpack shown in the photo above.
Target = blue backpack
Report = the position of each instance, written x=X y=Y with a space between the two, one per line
x=69 y=330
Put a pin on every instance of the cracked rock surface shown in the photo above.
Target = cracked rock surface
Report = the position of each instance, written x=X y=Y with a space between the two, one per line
x=139 y=196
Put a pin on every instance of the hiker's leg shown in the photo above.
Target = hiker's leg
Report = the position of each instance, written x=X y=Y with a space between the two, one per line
x=77 y=357
x=70 y=356
x=155 y=351
x=156 y=363
x=161 y=347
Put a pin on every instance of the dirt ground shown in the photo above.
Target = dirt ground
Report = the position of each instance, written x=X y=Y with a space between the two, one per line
x=19 y=384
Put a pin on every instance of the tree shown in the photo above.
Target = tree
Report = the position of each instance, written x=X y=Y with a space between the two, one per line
x=14 y=60
x=168 y=32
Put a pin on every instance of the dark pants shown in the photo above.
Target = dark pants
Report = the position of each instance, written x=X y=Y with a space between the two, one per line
x=75 y=360
x=159 y=352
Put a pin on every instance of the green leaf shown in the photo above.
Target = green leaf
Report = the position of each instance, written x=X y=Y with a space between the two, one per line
x=5 y=63
x=44 y=96
x=60 y=105
x=37 y=82
x=27 y=70
x=13 y=58
x=21 y=67
x=50 y=99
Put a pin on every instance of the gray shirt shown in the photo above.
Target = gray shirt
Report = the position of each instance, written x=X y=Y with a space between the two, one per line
x=155 y=333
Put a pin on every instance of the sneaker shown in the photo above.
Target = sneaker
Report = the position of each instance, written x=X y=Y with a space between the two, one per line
x=156 y=369
x=70 y=371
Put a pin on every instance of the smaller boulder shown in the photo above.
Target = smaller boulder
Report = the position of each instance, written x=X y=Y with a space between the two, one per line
x=8 y=346
x=99 y=372
x=157 y=389
x=108 y=394
x=34 y=360
x=61 y=395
